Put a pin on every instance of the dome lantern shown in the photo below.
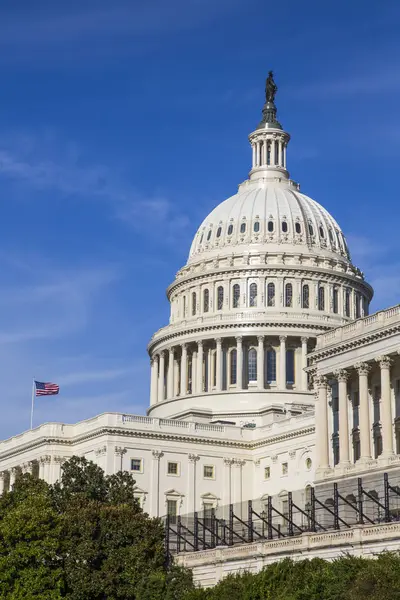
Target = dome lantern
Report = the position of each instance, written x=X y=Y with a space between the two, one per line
x=269 y=141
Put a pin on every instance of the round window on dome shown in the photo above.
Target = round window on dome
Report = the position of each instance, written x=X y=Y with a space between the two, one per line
x=298 y=228
x=219 y=232
x=284 y=226
x=270 y=226
x=321 y=232
x=310 y=229
x=230 y=229
x=209 y=236
x=256 y=227
x=242 y=227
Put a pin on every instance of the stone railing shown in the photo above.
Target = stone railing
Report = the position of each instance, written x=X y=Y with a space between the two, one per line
x=360 y=327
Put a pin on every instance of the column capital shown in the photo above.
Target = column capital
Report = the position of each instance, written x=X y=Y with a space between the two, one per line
x=218 y=341
x=229 y=461
x=171 y=349
x=162 y=353
x=45 y=459
x=282 y=338
x=362 y=368
x=2 y=475
x=157 y=454
x=238 y=462
x=321 y=381
x=119 y=450
x=199 y=343
x=384 y=361
x=184 y=345
x=304 y=339
x=341 y=374
x=193 y=458
x=260 y=339
x=239 y=339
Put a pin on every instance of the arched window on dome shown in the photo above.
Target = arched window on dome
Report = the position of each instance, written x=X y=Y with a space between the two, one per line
x=219 y=232
x=311 y=229
x=201 y=238
x=335 y=300
x=347 y=303
x=220 y=297
x=271 y=366
x=230 y=229
x=306 y=296
x=321 y=298
x=252 y=364
x=253 y=294
x=209 y=235
x=271 y=294
x=270 y=226
x=242 y=227
x=206 y=301
x=290 y=366
x=330 y=232
x=288 y=295
x=236 y=295
x=321 y=231
x=284 y=226
x=256 y=227
x=298 y=227
x=233 y=366
x=194 y=302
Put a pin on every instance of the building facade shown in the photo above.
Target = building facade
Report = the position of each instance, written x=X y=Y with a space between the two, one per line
x=270 y=378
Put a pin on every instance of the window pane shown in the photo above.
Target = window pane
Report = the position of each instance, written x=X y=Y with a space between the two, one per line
x=271 y=294
x=321 y=298
x=220 y=297
x=310 y=229
x=194 y=300
x=347 y=304
x=219 y=232
x=206 y=300
x=242 y=227
x=233 y=366
x=306 y=296
x=284 y=226
x=236 y=295
x=298 y=228
x=256 y=227
x=288 y=294
x=208 y=471
x=253 y=294
x=136 y=464
x=230 y=229
x=289 y=366
x=335 y=301
x=252 y=361
x=270 y=226
x=172 y=510
x=271 y=366
x=172 y=468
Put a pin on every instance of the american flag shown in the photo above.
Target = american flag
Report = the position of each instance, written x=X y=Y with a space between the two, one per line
x=46 y=388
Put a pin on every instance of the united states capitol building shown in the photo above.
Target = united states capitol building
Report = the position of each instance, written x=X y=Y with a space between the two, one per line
x=271 y=377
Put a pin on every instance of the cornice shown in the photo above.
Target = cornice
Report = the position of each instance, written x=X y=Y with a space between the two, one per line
x=145 y=434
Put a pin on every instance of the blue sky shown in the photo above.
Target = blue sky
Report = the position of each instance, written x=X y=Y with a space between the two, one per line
x=122 y=124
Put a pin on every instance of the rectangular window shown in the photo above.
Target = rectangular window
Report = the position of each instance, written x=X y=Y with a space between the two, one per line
x=271 y=366
x=172 y=510
x=137 y=465
x=207 y=513
x=173 y=468
x=267 y=472
x=356 y=403
x=208 y=472
x=285 y=468
x=289 y=366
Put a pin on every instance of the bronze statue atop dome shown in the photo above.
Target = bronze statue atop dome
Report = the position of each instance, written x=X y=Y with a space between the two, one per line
x=270 y=88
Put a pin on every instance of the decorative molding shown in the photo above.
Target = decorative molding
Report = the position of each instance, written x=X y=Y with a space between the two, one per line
x=341 y=375
x=157 y=454
x=193 y=458
x=384 y=361
x=101 y=451
x=362 y=368
x=120 y=450
x=45 y=460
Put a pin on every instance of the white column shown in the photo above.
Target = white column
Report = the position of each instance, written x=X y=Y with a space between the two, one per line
x=239 y=363
x=218 y=378
x=282 y=362
x=273 y=161
x=386 y=406
x=170 y=374
x=365 y=437
x=153 y=380
x=321 y=423
x=284 y=155
x=265 y=151
x=258 y=154
x=2 y=477
x=176 y=376
x=184 y=370
x=254 y=155
x=13 y=476
x=192 y=482
x=280 y=153
x=199 y=378
x=304 y=379
x=260 y=362
x=161 y=375
x=344 y=452
x=155 y=484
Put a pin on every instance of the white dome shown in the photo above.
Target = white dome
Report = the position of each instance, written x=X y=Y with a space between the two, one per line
x=273 y=214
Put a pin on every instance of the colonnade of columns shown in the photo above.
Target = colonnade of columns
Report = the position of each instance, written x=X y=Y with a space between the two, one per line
x=362 y=427
x=46 y=467
x=206 y=366
x=269 y=151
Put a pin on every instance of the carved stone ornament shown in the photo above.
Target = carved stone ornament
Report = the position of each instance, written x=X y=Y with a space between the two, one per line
x=120 y=450
x=362 y=368
x=257 y=462
x=193 y=458
x=274 y=458
x=60 y=459
x=229 y=461
x=282 y=338
x=384 y=362
x=292 y=454
x=101 y=451
x=45 y=459
x=238 y=462
x=341 y=375
x=157 y=454
x=320 y=381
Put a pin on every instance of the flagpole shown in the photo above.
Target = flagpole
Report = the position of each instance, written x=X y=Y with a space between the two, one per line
x=33 y=401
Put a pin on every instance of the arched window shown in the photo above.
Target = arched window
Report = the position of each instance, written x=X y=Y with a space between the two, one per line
x=253 y=294
x=219 y=232
x=252 y=364
x=306 y=296
x=335 y=301
x=331 y=236
x=347 y=303
x=298 y=228
x=288 y=294
x=321 y=298
x=284 y=226
x=357 y=311
x=233 y=366
x=201 y=239
x=271 y=294
x=230 y=229
x=271 y=366
x=270 y=226
x=242 y=227
x=194 y=300
x=214 y=369
x=289 y=366
x=206 y=301
x=208 y=236
x=311 y=229
x=256 y=227
x=321 y=232
x=308 y=495
x=220 y=297
x=236 y=295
